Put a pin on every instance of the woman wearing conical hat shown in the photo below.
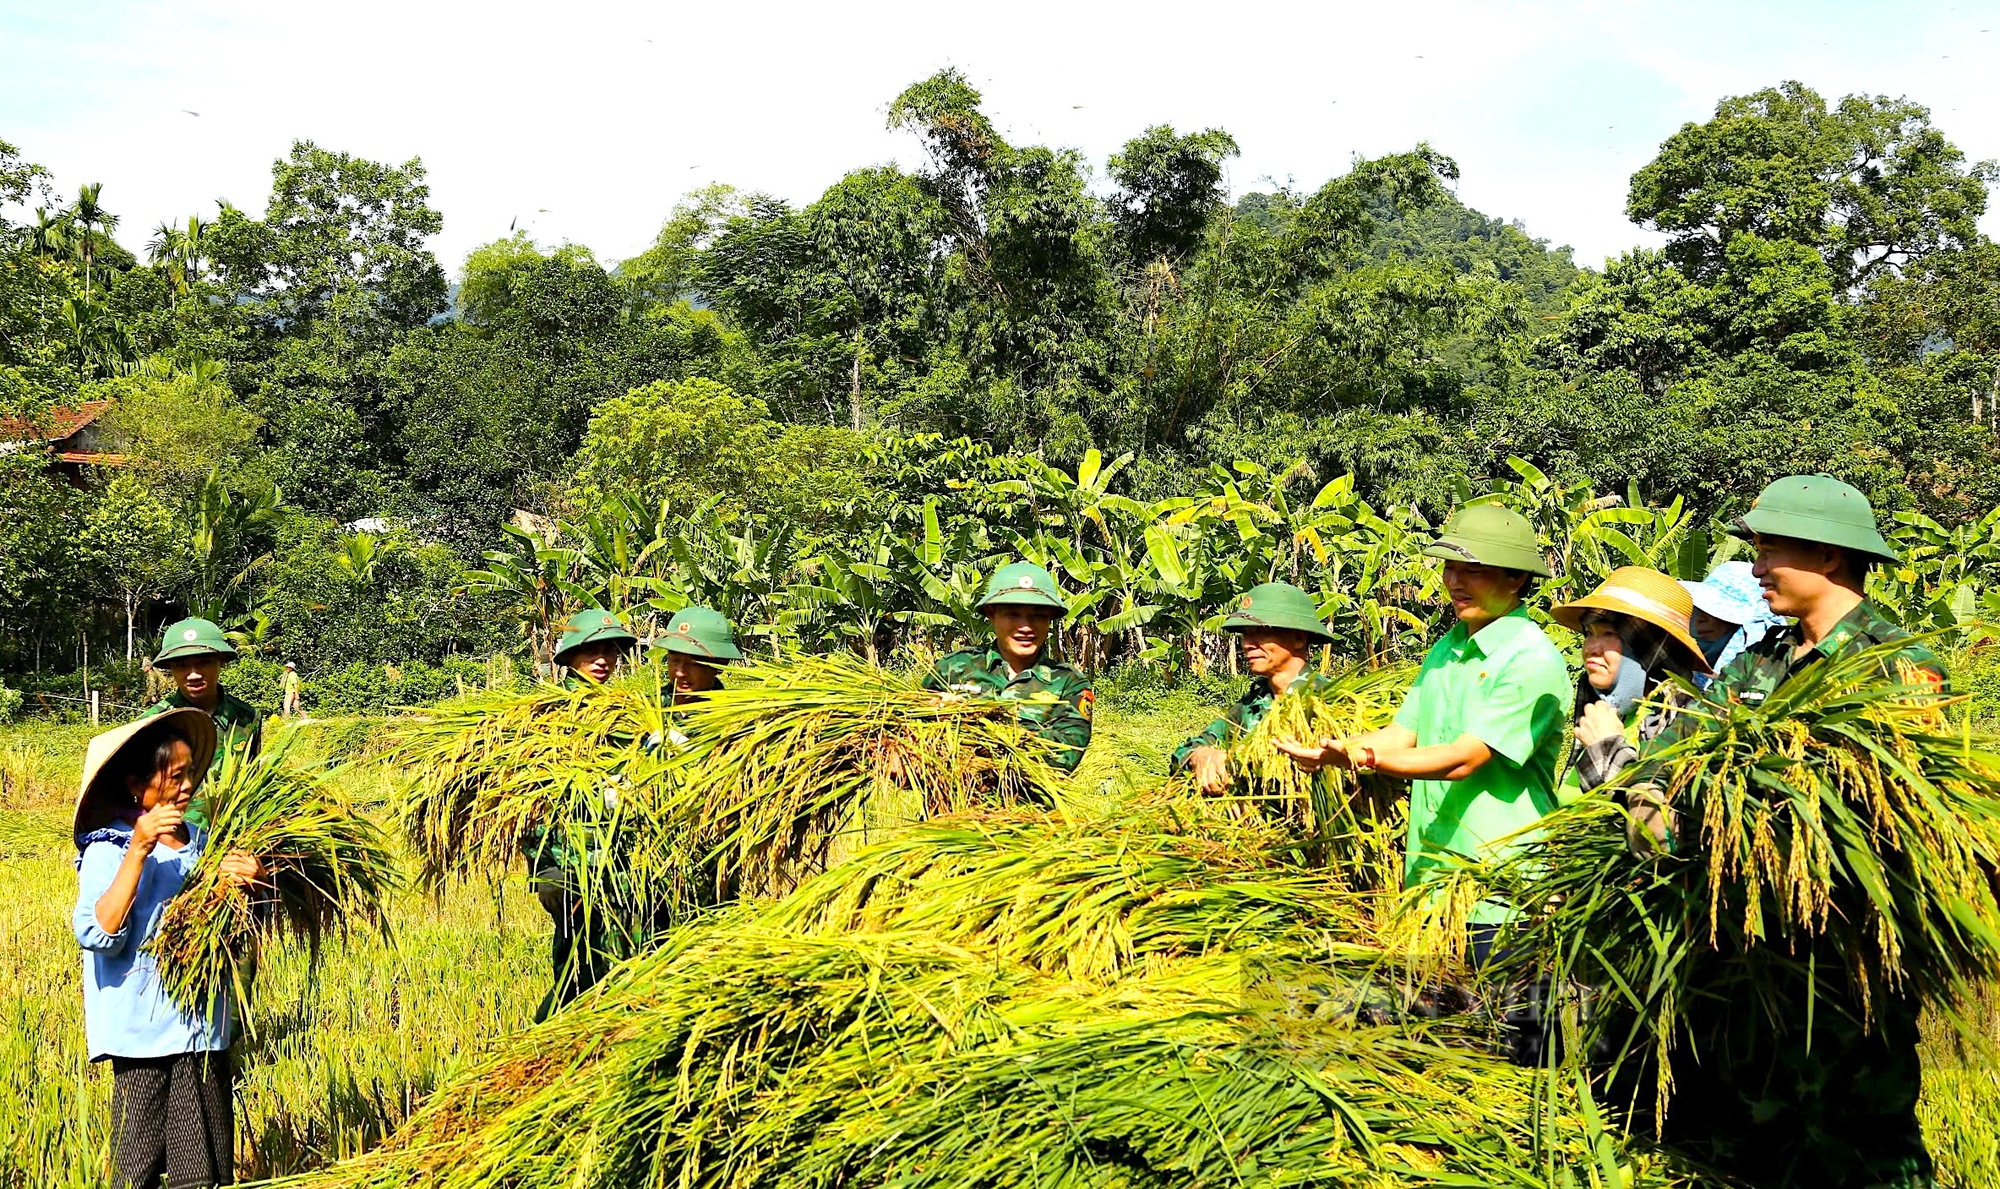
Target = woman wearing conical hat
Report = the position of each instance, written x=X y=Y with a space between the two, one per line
x=172 y=1110
x=1636 y=641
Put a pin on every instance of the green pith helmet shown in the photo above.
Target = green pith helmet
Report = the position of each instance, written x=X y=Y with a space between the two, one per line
x=592 y=627
x=1023 y=584
x=703 y=633
x=1816 y=508
x=192 y=638
x=1490 y=535
x=1277 y=605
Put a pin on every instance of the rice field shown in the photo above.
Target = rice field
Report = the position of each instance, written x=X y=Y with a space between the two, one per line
x=347 y=1052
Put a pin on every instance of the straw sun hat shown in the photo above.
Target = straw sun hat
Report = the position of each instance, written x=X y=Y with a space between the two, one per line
x=101 y=766
x=1647 y=596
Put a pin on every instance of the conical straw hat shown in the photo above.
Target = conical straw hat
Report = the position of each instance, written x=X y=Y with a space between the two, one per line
x=1646 y=595
x=99 y=760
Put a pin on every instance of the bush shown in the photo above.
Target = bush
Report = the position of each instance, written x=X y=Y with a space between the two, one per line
x=1143 y=689
x=10 y=704
x=257 y=681
x=363 y=688
x=119 y=685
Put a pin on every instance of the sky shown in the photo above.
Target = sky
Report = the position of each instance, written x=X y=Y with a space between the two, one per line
x=584 y=122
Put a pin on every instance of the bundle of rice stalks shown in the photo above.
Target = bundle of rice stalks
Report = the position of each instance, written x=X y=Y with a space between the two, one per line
x=794 y=764
x=327 y=868
x=1353 y=819
x=1087 y=900
x=489 y=774
x=1001 y=999
x=744 y=1055
x=1840 y=838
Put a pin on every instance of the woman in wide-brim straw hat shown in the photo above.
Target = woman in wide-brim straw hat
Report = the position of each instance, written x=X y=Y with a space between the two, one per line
x=1636 y=641
x=172 y=1109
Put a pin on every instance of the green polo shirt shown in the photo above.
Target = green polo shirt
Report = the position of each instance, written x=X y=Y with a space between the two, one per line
x=1508 y=688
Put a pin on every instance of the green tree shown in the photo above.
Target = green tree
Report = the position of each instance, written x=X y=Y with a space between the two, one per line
x=1870 y=184
x=1169 y=187
x=346 y=241
x=674 y=443
x=179 y=428
x=132 y=545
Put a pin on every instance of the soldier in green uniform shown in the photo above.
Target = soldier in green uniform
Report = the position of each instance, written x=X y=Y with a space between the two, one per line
x=584 y=945
x=1277 y=626
x=1766 y=1099
x=698 y=642
x=193 y=652
x=1053 y=699
x=592 y=644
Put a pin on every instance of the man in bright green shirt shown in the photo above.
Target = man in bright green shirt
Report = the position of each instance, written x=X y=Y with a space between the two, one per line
x=1482 y=729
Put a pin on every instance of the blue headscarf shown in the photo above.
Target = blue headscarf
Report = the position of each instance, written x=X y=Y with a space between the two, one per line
x=1731 y=594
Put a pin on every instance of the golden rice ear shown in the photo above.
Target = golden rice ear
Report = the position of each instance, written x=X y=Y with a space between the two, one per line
x=328 y=869
x=1346 y=821
x=1843 y=824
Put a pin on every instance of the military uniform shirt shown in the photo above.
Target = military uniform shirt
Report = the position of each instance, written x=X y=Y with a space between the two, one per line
x=1759 y=670
x=1055 y=700
x=239 y=731
x=1838 y=1112
x=1240 y=719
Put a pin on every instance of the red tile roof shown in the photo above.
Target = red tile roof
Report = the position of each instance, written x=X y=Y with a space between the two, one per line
x=60 y=423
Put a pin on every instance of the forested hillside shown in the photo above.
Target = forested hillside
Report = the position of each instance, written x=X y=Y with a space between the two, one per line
x=825 y=416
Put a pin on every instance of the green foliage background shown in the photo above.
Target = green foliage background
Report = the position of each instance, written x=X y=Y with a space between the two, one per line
x=827 y=417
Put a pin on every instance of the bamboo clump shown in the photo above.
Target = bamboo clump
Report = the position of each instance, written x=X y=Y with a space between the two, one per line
x=328 y=868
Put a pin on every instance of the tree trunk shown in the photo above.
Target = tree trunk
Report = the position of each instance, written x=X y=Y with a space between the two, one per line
x=854 y=385
x=129 y=609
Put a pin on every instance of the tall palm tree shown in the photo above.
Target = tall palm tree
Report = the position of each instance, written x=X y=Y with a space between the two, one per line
x=94 y=220
x=165 y=251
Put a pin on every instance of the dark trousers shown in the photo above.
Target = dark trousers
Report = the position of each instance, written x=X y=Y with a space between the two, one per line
x=1523 y=1010
x=580 y=953
x=1779 y=1113
x=173 y=1116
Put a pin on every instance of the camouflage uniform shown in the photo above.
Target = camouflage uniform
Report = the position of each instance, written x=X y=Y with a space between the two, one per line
x=239 y=731
x=1240 y=719
x=1052 y=699
x=239 y=727
x=588 y=937
x=1763 y=1104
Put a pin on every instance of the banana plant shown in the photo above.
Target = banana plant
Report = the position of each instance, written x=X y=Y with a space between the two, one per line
x=1074 y=503
x=221 y=527
x=1942 y=578
x=742 y=573
x=533 y=574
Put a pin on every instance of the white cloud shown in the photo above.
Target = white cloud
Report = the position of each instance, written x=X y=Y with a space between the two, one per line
x=587 y=121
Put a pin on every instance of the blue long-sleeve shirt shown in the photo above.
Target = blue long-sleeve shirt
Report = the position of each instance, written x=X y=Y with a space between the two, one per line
x=126 y=1009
